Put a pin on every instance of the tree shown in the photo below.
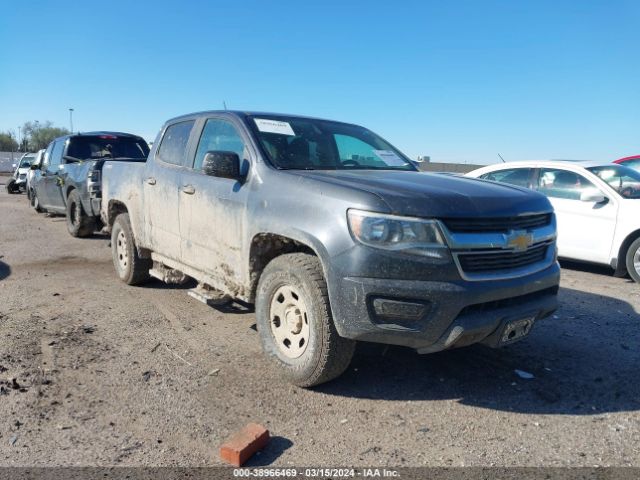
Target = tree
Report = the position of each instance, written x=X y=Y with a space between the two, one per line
x=39 y=134
x=7 y=142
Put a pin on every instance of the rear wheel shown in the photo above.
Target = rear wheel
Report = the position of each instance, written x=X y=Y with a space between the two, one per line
x=79 y=223
x=295 y=323
x=633 y=260
x=130 y=267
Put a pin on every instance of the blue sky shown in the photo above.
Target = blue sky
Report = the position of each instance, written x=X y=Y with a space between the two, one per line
x=459 y=80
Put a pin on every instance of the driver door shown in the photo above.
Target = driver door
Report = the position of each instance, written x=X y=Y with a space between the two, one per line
x=585 y=229
x=213 y=209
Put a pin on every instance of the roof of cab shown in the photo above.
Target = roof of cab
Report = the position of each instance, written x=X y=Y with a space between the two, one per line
x=243 y=114
x=97 y=133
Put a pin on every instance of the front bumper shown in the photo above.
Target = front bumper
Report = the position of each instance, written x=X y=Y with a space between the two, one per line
x=454 y=312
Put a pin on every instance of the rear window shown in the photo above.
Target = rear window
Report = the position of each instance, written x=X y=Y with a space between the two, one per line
x=107 y=146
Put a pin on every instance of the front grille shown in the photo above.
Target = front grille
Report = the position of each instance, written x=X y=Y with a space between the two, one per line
x=505 y=224
x=500 y=260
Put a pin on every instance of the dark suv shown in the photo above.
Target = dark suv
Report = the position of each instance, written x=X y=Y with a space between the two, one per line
x=71 y=174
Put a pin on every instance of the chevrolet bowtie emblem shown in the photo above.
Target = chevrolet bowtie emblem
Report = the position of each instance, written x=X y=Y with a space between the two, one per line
x=519 y=240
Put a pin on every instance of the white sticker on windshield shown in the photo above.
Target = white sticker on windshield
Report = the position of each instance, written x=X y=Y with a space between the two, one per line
x=390 y=158
x=274 y=126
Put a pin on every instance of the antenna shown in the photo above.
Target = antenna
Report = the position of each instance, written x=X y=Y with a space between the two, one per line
x=224 y=104
x=503 y=161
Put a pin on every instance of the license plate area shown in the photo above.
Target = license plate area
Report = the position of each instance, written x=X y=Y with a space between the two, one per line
x=517 y=329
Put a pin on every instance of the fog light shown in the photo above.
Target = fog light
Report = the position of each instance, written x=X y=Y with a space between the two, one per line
x=387 y=308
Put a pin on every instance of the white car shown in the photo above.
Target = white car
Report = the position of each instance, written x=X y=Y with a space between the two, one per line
x=597 y=207
x=18 y=181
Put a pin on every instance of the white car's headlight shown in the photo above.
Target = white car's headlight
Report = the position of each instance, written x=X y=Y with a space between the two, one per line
x=404 y=234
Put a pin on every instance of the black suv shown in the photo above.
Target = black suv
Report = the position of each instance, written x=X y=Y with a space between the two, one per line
x=71 y=174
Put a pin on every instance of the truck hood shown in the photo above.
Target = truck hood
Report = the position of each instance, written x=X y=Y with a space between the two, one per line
x=435 y=195
x=22 y=171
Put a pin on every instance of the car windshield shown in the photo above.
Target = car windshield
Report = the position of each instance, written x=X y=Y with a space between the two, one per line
x=623 y=180
x=26 y=161
x=107 y=146
x=309 y=144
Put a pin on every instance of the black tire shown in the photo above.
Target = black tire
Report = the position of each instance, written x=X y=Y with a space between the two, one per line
x=633 y=253
x=79 y=223
x=35 y=202
x=130 y=267
x=325 y=355
x=11 y=186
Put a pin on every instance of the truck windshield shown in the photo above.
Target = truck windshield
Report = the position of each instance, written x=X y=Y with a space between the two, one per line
x=624 y=180
x=309 y=144
x=107 y=146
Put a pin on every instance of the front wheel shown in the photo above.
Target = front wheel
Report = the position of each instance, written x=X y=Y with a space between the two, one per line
x=35 y=203
x=11 y=186
x=633 y=260
x=130 y=267
x=295 y=323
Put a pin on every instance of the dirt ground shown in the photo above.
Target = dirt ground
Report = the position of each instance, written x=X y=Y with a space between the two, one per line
x=107 y=374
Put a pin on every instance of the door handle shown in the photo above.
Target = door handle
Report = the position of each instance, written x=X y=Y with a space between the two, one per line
x=188 y=189
x=151 y=181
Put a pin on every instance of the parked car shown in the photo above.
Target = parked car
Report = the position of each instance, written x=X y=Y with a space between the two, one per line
x=69 y=180
x=33 y=171
x=334 y=235
x=597 y=205
x=18 y=181
x=631 y=162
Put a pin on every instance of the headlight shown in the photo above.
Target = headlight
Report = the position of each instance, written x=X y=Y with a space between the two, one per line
x=404 y=234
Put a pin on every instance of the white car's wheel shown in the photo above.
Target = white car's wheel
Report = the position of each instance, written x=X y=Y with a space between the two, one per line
x=633 y=260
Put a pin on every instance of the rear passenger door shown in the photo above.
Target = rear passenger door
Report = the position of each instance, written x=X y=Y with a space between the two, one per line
x=213 y=209
x=161 y=183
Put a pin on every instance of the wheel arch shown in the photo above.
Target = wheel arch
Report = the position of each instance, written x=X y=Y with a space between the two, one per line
x=621 y=263
x=265 y=246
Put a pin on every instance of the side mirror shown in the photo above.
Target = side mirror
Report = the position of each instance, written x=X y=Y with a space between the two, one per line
x=592 y=195
x=34 y=166
x=222 y=164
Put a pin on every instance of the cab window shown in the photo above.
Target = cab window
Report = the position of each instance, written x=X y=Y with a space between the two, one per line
x=55 y=159
x=218 y=135
x=520 y=177
x=46 y=156
x=558 y=183
x=173 y=147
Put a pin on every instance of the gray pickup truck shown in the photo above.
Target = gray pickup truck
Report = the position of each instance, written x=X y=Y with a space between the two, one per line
x=333 y=235
x=68 y=179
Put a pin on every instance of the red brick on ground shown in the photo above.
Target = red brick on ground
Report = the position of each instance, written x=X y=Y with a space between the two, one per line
x=238 y=448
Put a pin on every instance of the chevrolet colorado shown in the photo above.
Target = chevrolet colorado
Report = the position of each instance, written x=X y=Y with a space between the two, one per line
x=334 y=236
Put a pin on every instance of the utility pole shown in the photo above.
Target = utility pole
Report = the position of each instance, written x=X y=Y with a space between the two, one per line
x=71 y=119
x=19 y=129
